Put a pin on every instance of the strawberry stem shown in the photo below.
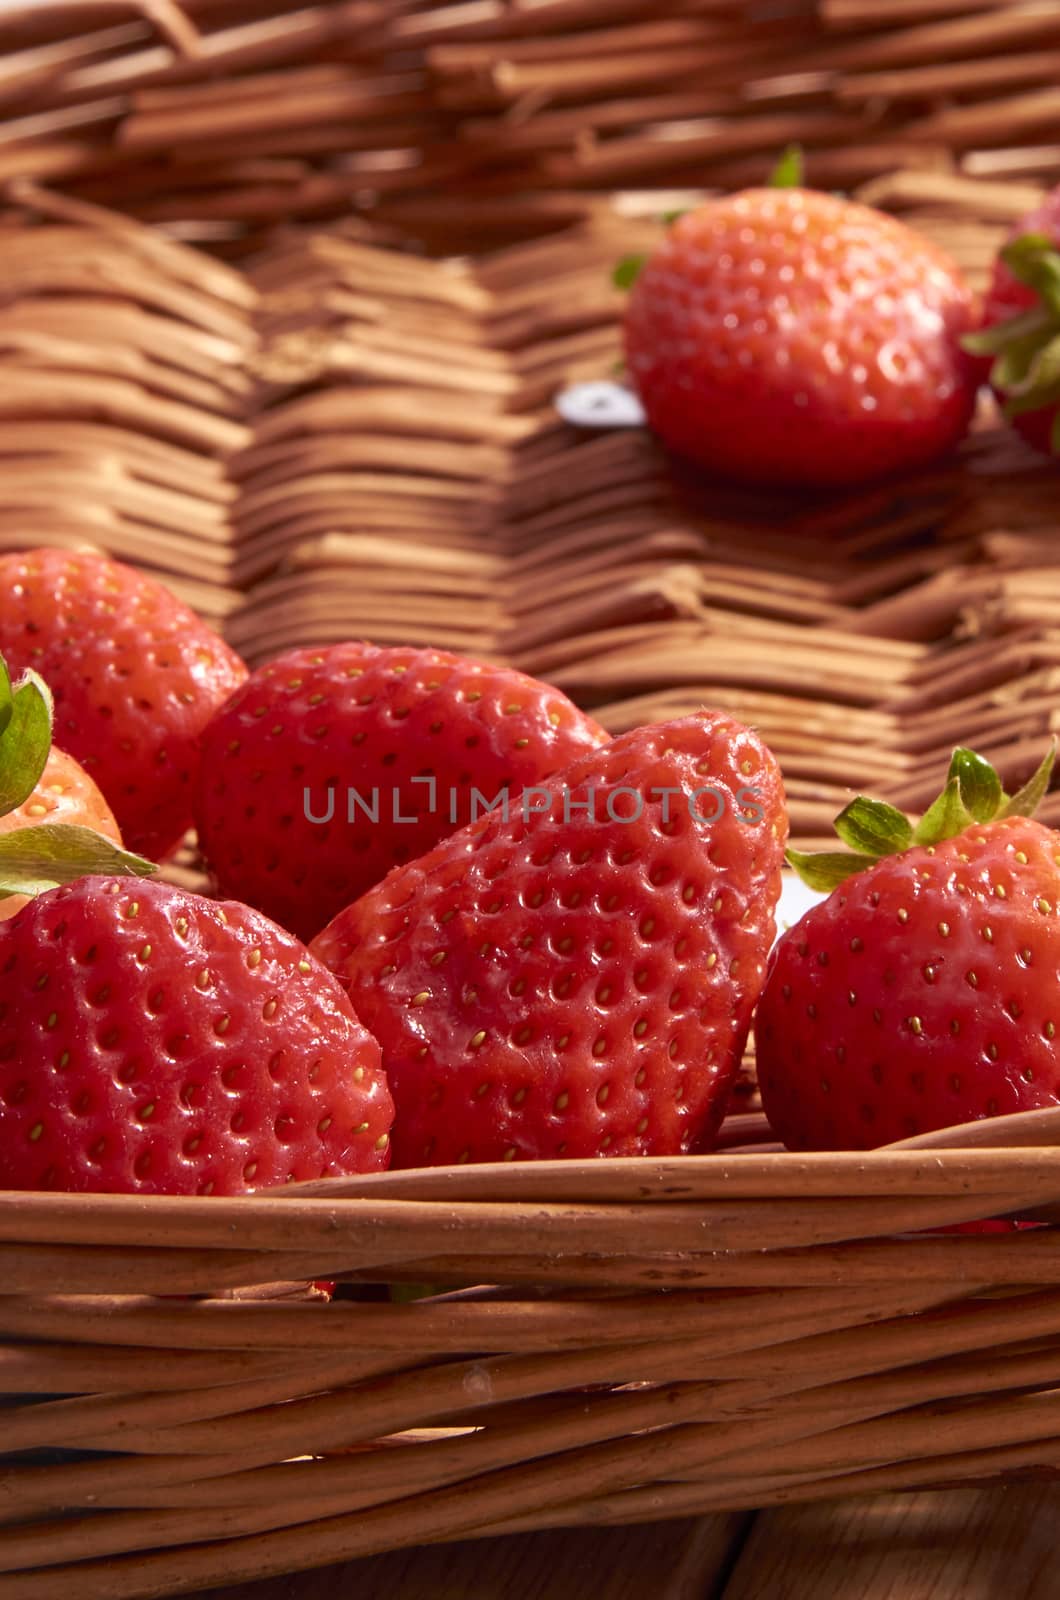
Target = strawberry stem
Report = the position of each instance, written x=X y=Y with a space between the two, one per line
x=790 y=170
x=872 y=829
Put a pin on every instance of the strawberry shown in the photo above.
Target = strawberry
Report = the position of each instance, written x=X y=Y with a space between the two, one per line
x=135 y=675
x=577 y=979
x=64 y=793
x=922 y=992
x=1021 y=327
x=155 y=1042
x=54 y=823
x=788 y=336
x=329 y=766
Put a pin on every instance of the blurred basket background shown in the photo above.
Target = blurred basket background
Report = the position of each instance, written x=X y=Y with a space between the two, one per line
x=346 y=426
x=285 y=295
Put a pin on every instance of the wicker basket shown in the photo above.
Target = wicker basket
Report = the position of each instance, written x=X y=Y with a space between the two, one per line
x=660 y=1338
x=342 y=429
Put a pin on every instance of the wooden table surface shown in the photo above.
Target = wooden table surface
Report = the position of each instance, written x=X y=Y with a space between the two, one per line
x=994 y=1543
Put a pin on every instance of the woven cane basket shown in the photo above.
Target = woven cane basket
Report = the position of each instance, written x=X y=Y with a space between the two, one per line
x=286 y=292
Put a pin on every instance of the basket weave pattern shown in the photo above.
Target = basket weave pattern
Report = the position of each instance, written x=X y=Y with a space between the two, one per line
x=342 y=439
x=673 y=1337
x=223 y=361
x=228 y=116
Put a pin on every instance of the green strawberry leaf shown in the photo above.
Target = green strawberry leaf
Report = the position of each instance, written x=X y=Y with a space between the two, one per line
x=626 y=272
x=1016 y=362
x=993 y=340
x=873 y=828
x=1043 y=370
x=674 y=216
x=35 y=859
x=945 y=817
x=1020 y=253
x=1025 y=802
x=827 y=869
x=978 y=783
x=5 y=695
x=1034 y=259
x=790 y=170
x=26 y=739
x=1022 y=399
x=1026 y=348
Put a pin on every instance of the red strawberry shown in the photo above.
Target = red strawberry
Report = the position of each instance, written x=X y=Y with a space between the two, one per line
x=157 y=1042
x=1021 y=327
x=786 y=336
x=576 y=983
x=417 y=734
x=135 y=676
x=64 y=794
x=922 y=993
x=54 y=823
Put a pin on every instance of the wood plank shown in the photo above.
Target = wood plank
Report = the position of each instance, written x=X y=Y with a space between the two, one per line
x=686 y=1560
x=968 y=1544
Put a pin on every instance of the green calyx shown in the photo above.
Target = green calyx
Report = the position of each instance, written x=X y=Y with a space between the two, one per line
x=790 y=170
x=42 y=856
x=25 y=736
x=625 y=273
x=1026 y=348
x=872 y=829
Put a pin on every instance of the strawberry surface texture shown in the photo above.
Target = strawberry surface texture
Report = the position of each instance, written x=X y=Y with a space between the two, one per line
x=921 y=994
x=577 y=980
x=155 y=1042
x=791 y=337
x=135 y=675
x=329 y=766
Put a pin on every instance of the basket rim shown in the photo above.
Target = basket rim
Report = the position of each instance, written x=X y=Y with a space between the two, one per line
x=990 y=1157
x=656 y=1179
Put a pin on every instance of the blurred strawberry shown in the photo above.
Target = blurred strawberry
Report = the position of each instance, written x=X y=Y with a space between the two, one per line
x=780 y=335
x=1020 y=335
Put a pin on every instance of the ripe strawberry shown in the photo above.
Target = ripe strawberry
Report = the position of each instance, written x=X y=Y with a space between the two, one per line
x=156 y=1042
x=570 y=982
x=786 y=336
x=415 y=734
x=922 y=993
x=54 y=823
x=135 y=676
x=64 y=793
x=1021 y=327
